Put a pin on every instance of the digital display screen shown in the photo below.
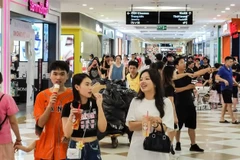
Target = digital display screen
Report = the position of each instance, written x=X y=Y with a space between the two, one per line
x=176 y=18
x=142 y=18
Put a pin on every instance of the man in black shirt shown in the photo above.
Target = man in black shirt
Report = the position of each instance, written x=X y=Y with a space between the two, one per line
x=185 y=108
x=205 y=65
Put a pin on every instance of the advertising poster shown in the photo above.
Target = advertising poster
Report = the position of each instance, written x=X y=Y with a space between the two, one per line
x=67 y=49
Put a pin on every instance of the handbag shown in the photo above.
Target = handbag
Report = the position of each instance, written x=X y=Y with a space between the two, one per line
x=157 y=141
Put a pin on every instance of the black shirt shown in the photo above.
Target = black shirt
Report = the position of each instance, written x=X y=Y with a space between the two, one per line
x=184 y=98
x=93 y=73
x=206 y=76
x=89 y=119
x=169 y=91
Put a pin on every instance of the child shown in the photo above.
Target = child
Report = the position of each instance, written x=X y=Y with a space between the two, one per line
x=29 y=148
x=214 y=99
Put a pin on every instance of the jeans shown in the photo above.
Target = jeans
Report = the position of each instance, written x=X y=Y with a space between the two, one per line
x=90 y=151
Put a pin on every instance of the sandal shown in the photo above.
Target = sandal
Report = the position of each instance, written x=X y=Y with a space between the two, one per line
x=235 y=122
x=225 y=121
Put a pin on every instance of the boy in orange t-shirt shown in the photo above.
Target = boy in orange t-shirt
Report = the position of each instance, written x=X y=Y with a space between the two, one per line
x=47 y=112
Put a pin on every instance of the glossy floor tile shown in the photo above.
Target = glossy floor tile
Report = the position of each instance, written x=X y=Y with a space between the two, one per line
x=220 y=141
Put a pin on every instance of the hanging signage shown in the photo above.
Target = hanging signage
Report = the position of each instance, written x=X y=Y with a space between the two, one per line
x=176 y=18
x=40 y=8
x=141 y=17
x=21 y=31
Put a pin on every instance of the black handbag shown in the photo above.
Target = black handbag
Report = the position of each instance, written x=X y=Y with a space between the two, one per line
x=157 y=142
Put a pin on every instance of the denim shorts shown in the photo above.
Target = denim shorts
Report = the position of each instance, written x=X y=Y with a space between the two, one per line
x=90 y=151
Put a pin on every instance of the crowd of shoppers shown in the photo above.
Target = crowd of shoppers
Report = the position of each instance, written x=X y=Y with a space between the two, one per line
x=69 y=119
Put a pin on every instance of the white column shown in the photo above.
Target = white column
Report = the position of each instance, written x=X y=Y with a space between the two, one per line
x=6 y=57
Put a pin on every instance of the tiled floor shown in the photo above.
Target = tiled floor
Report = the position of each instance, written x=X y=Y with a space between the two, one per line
x=220 y=141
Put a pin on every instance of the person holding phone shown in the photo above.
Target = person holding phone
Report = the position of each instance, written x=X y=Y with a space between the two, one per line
x=94 y=69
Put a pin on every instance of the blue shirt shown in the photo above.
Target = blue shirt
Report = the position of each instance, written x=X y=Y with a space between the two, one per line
x=117 y=72
x=226 y=74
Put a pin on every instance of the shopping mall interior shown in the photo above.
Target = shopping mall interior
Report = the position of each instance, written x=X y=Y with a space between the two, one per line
x=35 y=33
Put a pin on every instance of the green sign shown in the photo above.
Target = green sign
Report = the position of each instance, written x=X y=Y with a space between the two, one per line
x=162 y=28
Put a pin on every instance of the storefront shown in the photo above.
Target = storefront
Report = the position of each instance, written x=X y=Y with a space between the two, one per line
x=226 y=41
x=32 y=29
x=81 y=36
x=119 y=43
x=108 y=41
x=127 y=44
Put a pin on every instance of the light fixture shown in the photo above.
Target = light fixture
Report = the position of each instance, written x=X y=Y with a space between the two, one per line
x=204 y=25
x=227 y=8
x=145 y=27
x=179 y=27
x=84 y=5
x=102 y=15
x=91 y=8
x=107 y=18
x=232 y=5
x=223 y=11
x=219 y=15
x=214 y=18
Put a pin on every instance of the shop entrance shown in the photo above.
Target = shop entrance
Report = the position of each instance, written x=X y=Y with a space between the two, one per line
x=30 y=41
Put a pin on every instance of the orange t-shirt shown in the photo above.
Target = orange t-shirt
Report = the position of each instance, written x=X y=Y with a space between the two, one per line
x=49 y=145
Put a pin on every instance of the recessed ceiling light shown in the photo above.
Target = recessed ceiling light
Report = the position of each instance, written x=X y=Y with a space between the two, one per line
x=91 y=8
x=84 y=5
x=232 y=5
x=227 y=8
x=219 y=15
x=102 y=15
x=223 y=11
x=214 y=18
x=106 y=17
x=179 y=27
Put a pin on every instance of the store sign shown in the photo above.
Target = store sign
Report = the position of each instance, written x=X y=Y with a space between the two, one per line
x=99 y=28
x=40 y=8
x=233 y=30
x=118 y=34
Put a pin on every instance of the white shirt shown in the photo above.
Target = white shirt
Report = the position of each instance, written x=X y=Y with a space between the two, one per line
x=137 y=110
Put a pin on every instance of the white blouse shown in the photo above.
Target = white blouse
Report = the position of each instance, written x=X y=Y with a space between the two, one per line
x=138 y=109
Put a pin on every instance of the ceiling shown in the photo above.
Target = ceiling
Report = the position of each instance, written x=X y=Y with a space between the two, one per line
x=207 y=14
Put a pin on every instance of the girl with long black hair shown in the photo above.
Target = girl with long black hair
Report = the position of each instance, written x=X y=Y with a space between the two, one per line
x=151 y=102
x=83 y=135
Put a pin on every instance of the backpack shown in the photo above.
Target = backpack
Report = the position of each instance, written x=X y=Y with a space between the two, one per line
x=4 y=118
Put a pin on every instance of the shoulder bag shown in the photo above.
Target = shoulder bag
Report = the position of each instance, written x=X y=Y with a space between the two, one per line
x=5 y=116
x=157 y=141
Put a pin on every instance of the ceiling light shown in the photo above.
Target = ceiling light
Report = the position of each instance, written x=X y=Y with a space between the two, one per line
x=214 y=18
x=227 y=8
x=84 y=5
x=102 y=15
x=219 y=15
x=223 y=11
x=179 y=27
x=204 y=25
x=145 y=27
x=106 y=17
x=91 y=8
x=232 y=5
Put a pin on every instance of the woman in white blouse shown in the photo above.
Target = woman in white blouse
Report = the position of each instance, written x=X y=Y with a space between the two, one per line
x=150 y=100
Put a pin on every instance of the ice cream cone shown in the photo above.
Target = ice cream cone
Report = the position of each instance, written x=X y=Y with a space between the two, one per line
x=56 y=88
